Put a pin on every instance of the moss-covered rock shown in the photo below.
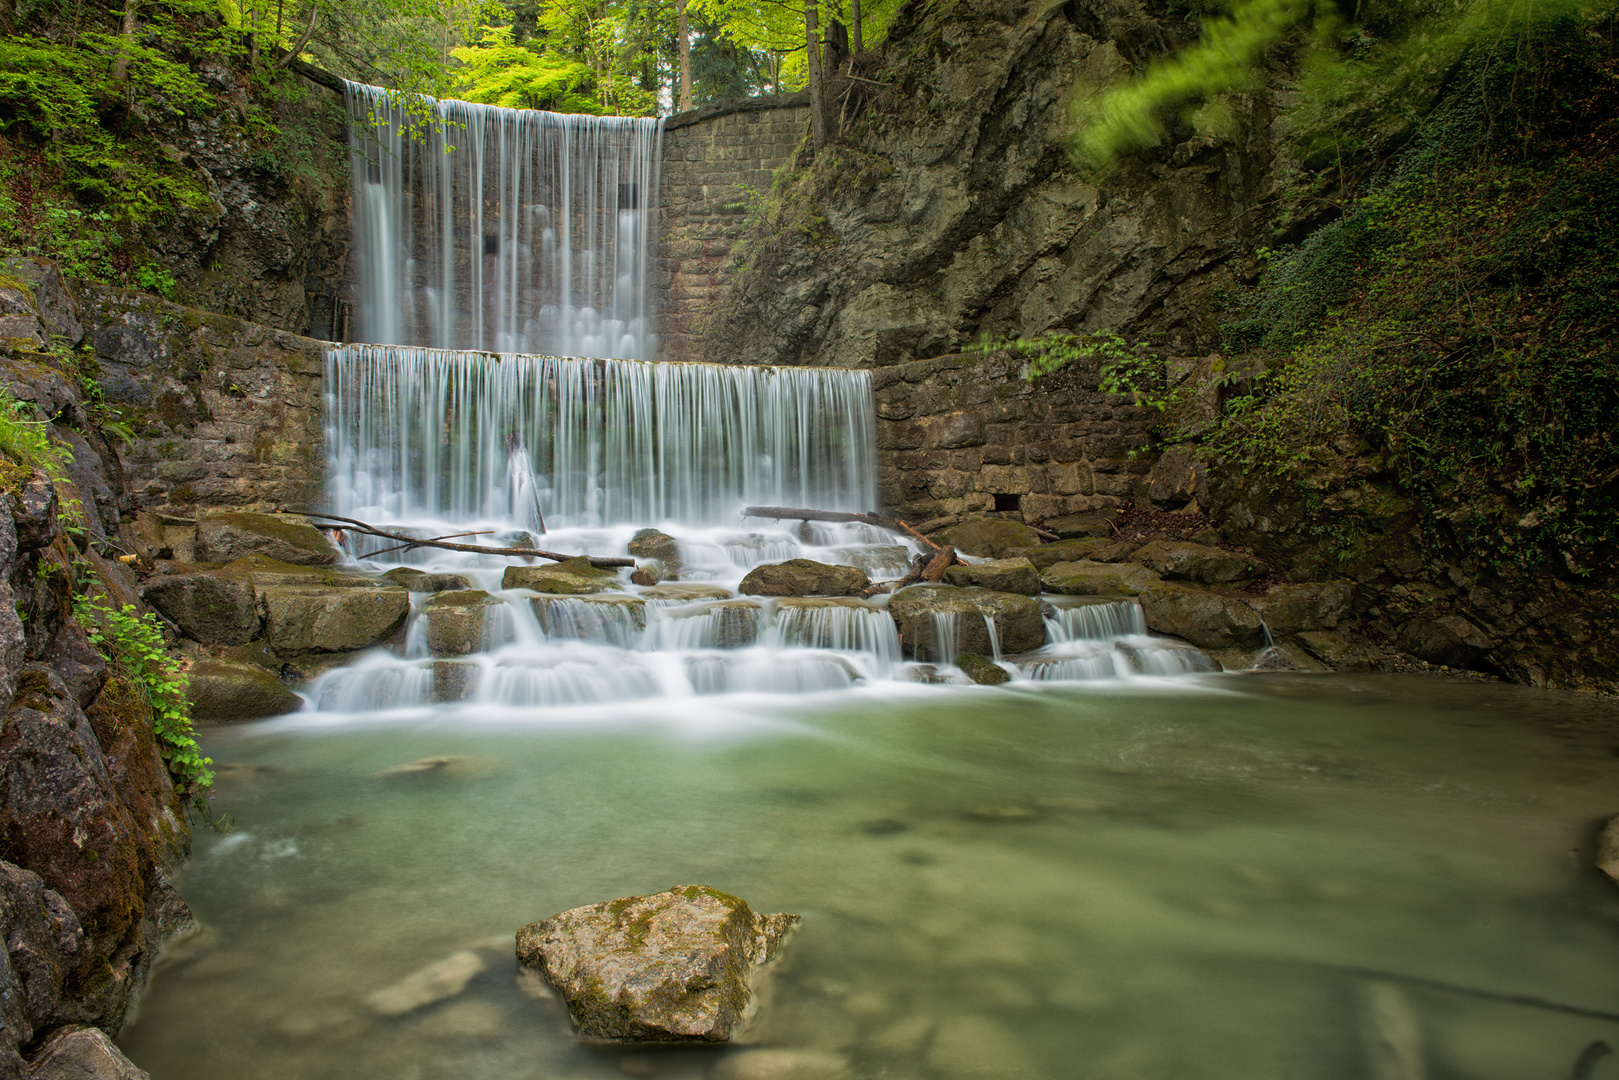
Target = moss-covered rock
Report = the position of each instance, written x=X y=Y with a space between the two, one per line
x=1207 y=619
x=988 y=538
x=1197 y=562
x=804 y=577
x=1289 y=609
x=414 y=580
x=304 y=618
x=574 y=577
x=982 y=670
x=673 y=967
x=1017 y=619
x=222 y=690
x=1002 y=575
x=457 y=621
x=1046 y=556
x=662 y=549
x=1085 y=578
x=682 y=593
x=215 y=609
x=225 y=537
x=1098 y=523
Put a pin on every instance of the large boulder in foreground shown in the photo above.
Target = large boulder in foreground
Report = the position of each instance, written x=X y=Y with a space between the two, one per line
x=989 y=538
x=1206 y=619
x=804 y=577
x=673 y=967
x=223 y=538
x=1608 y=849
x=1017 y=619
x=221 y=691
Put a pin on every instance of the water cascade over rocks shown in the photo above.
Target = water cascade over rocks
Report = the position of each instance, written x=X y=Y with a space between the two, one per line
x=508 y=391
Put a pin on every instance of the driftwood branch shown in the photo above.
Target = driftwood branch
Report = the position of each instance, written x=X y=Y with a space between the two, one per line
x=787 y=513
x=475 y=549
x=929 y=568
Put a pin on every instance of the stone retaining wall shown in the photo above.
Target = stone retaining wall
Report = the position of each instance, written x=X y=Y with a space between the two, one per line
x=711 y=159
x=955 y=432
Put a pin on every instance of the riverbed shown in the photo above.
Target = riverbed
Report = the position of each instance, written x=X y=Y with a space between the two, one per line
x=1239 y=876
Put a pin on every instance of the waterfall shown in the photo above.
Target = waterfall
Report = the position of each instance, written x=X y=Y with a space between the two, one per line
x=479 y=227
x=420 y=433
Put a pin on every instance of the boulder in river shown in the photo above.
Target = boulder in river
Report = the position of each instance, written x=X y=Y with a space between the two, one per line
x=414 y=580
x=1208 y=620
x=215 y=609
x=989 y=538
x=457 y=621
x=804 y=577
x=982 y=670
x=573 y=577
x=1003 y=575
x=1197 y=562
x=661 y=548
x=306 y=618
x=673 y=967
x=82 y=1053
x=1085 y=578
x=1017 y=619
x=683 y=593
x=221 y=691
x=224 y=537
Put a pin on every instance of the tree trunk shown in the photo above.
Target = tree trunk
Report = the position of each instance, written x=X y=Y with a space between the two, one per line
x=684 y=37
x=857 y=39
x=120 y=66
x=812 y=38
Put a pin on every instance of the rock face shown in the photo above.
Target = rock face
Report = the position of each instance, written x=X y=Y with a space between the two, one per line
x=673 y=967
x=221 y=691
x=222 y=538
x=1001 y=575
x=989 y=538
x=456 y=621
x=804 y=577
x=1017 y=620
x=1290 y=609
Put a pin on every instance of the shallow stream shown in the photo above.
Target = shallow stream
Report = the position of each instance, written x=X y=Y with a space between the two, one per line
x=1240 y=876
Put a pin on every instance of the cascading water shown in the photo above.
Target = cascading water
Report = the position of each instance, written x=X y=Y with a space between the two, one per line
x=478 y=227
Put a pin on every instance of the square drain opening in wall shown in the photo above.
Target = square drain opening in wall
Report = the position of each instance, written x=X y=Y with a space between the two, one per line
x=1008 y=504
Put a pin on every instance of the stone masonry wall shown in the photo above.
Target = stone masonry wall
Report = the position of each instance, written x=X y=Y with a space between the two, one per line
x=956 y=431
x=711 y=157
x=226 y=413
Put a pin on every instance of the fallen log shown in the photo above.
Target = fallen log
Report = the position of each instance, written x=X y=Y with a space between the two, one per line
x=787 y=513
x=942 y=560
x=925 y=568
x=475 y=549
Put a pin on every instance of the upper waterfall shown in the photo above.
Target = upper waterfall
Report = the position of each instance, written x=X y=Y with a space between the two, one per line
x=478 y=227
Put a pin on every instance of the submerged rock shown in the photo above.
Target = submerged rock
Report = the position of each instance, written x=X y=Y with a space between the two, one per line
x=1003 y=575
x=574 y=577
x=673 y=967
x=989 y=538
x=1197 y=562
x=781 y=1064
x=457 y=621
x=436 y=982
x=1017 y=619
x=221 y=691
x=1206 y=619
x=414 y=580
x=222 y=538
x=82 y=1053
x=1608 y=849
x=215 y=609
x=982 y=670
x=804 y=577
x=1087 y=578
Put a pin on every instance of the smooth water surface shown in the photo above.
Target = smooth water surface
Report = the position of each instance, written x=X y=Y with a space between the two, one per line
x=1237 y=876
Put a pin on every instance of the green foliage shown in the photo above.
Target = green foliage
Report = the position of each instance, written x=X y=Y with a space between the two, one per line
x=135 y=643
x=1122 y=367
x=25 y=442
x=498 y=72
x=1454 y=325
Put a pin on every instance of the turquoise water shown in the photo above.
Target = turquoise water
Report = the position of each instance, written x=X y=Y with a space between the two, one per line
x=1238 y=876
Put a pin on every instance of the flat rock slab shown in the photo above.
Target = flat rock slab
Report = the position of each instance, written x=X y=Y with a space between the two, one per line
x=673 y=967
x=224 y=537
x=804 y=577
